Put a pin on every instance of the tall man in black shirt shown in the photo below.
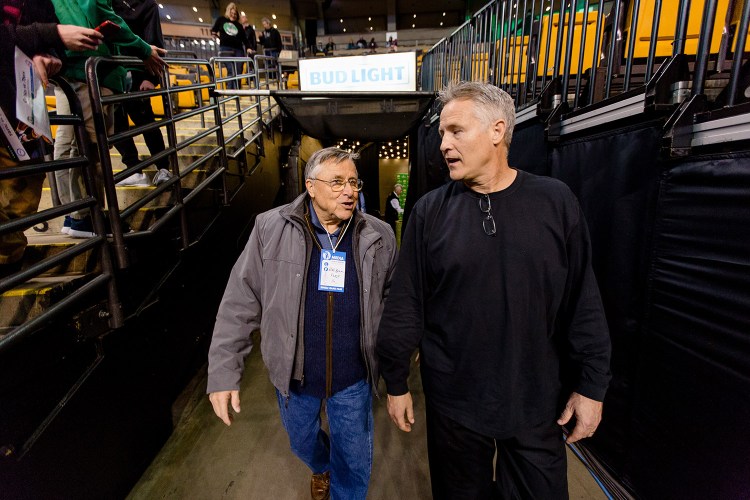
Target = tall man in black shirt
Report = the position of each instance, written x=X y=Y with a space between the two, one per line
x=494 y=284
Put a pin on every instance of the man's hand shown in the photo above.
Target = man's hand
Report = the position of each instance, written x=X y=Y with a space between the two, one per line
x=588 y=414
x=46 y=65
x=220 y=401
x=79 y=38
x=400 y=407
x=154 y=63
x=147 y=85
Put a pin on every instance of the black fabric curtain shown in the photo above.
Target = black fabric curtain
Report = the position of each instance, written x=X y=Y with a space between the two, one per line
x=429 y=170
x=693 y=399
x=529 y=149
x=615 y=177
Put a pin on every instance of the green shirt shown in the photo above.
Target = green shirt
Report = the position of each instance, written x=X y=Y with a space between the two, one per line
x=90 y=14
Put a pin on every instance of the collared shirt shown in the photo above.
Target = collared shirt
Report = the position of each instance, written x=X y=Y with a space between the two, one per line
x=321 y=232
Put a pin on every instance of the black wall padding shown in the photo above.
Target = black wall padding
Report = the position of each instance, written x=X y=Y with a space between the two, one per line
x=369 y=172
x=529 y=150
x=615 y=177
x=692 y=412
x=429 y=170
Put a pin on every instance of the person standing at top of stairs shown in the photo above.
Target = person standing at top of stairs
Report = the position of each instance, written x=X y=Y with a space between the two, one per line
x=142 y=17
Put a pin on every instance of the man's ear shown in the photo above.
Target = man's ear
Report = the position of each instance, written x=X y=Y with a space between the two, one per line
x=309 y=187
x=498 y=132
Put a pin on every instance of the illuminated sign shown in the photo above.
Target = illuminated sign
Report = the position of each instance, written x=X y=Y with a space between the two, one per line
x=378 y=72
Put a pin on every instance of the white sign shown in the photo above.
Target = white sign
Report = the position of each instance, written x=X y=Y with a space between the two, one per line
x=377 y=72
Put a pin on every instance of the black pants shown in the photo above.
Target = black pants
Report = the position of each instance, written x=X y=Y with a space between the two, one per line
x=141 y=113
x=530 y=465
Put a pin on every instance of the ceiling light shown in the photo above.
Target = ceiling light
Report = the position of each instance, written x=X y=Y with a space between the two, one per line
x=370 y=28
x=195 y=9
x=241 y=13
x=415 y=16
x=344 y=30
x=200 y=19
x=369 y=19
x=413 y=25
x=182 y=45
x=273 y=16
x=274 y=25
x=169 y=17
x=443 y=14
x=341 y=20
x=161 y=6
x=441 y=23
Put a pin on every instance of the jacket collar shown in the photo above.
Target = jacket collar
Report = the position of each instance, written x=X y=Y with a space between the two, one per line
x=295 y=212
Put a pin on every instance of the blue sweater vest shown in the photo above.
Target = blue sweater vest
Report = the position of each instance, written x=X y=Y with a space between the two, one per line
x=347 y=366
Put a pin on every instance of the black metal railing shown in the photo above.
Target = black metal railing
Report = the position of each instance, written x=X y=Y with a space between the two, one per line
x=104 y=279
x=586 y=51
x=187 y=90
x=171 y=91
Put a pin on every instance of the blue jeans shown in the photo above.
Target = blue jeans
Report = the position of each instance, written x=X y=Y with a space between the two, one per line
x=347 y=452
x=232 y=66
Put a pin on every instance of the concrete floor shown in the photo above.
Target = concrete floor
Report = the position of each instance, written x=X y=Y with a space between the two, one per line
x=204 y=459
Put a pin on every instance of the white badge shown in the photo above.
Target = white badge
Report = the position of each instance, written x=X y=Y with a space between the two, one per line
x=16 y=149
x=31 y=105
x=332 y=271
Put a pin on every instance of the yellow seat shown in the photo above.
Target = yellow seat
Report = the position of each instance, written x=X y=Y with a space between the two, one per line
x=293 y=81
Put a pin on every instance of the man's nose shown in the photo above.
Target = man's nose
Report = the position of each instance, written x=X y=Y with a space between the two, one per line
x=444 y=145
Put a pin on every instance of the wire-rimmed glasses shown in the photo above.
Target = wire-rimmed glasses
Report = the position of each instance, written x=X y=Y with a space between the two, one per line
x=338 y=184
x=488 y=222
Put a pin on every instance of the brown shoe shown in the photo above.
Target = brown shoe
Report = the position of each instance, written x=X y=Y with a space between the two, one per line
x=320 y=486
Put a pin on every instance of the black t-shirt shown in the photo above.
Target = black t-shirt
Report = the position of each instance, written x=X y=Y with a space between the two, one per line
x=494 y=315
x=231 y=33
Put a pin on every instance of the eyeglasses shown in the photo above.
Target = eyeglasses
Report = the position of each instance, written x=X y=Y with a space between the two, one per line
x=488 y=223
x=338 y=185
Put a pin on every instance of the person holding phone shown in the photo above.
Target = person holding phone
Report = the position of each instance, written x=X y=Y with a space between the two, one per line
x=92 y=13
x=31 y=26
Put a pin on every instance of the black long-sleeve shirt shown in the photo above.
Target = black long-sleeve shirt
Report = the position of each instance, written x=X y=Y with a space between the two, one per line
x=494 y=315
x=35 y=33
x=271 y=39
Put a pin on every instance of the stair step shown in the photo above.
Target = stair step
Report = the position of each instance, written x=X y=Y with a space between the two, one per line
x=43 y=245
x=28 y=300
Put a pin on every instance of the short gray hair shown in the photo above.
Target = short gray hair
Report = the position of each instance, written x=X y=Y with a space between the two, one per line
x=325 y=155
x=490 y=103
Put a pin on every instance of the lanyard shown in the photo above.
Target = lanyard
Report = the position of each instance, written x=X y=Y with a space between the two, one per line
x=341 y=236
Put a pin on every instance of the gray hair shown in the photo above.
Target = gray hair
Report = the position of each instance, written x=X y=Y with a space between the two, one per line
x=325 y=155
x=490 y=103
x=264 y=20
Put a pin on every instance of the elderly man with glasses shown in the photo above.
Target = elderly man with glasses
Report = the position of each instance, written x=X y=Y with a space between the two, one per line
x=313 y=277
x=494 y=284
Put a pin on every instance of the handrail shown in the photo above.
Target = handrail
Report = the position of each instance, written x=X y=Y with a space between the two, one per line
x=106 y=279
x=169 y=92
x=589 y=60
x=112 y=249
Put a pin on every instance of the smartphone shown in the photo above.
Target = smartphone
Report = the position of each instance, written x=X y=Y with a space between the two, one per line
x=107 y=28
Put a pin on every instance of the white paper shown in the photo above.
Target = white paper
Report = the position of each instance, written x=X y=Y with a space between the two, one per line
x=31 y=105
